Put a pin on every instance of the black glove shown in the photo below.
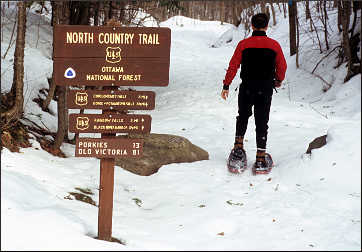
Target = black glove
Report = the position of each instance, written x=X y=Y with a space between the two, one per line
x=277 y=83
x=225 y=87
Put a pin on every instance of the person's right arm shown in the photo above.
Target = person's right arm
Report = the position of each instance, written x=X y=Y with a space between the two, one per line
x=234 y=65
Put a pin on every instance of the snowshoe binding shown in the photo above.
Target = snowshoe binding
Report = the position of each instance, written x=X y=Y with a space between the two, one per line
x=237 y=162
x=263 y=167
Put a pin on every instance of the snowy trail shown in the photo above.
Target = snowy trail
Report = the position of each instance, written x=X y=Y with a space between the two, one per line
x=305 y=203
x=209 y=122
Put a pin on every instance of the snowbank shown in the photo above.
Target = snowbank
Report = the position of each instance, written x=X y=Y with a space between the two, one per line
x=306 y=203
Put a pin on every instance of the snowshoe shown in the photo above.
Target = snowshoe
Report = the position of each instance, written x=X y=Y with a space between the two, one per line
x=237 y=162
x=261 y=167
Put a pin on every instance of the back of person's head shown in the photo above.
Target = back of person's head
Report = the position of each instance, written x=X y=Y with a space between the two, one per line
x=260 y=20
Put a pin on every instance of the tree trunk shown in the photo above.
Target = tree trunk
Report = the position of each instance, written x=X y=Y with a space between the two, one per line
x=284 y=10
x=51 y=93
x=52 y=84
x=339 y=18
x=325 y=24
x=262 y=7
x=84 y=14
x=236 y=13
x=114 y=10
x=355 y=8
x=297 y=47
x=96 y=14
x=318 y=6
x=106 y=12
x=316 y=32
x=307 y=10
x=17 y=88
x=346 y=13
x=222 y=11
x=63 y=15
x=292 y=9
x=273 y=12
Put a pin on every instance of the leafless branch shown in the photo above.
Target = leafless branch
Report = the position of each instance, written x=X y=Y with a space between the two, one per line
x=325 y=57
x=11 y=42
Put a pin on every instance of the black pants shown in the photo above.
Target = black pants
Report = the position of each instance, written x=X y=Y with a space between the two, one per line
x=261 y=102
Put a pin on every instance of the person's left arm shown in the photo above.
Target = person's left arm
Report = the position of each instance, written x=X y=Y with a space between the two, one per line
x=280 y=66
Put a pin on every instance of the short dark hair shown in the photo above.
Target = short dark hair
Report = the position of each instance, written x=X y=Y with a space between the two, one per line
x=260 y=20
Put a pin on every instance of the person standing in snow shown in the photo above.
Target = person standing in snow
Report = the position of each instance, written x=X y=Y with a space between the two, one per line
x=263 y=68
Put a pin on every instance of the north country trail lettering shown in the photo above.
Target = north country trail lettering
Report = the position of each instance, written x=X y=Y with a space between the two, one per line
x=112 y=38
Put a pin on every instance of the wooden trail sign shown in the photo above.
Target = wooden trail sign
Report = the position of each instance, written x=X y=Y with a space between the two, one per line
x=109 y=123
x=119 y=56
x=98 y=72
x=111 y=43
x=108 y=147
x=111 y=99
x=110 y=56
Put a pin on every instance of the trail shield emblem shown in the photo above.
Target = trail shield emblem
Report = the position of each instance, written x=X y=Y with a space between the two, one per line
x=81 y=98
x=69 y=73
x=113 y=54
x=82 y=123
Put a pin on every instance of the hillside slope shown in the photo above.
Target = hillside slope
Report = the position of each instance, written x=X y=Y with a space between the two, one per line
x=306 y=203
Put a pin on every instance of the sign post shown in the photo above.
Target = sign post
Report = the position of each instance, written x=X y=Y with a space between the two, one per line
x=106 y=189
x=110 y=56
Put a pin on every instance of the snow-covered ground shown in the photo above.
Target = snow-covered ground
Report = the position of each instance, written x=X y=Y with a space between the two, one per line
x=305 y=203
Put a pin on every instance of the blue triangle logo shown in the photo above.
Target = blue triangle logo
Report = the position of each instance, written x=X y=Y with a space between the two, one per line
x=69 y=73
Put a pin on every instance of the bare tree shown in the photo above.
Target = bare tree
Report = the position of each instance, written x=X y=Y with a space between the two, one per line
x=273 y=12
x=63 y=17
x=339 y=17
x=16 y=92
x=222 y=11
x=292 y=9
x=297 y=45
x=263 y=6
x=307 y=10
x=324 y=19
x=346 y=13
x=52 y=85
x=284 y=10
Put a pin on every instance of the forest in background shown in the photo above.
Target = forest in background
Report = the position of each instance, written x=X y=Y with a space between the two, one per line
x=14 y=133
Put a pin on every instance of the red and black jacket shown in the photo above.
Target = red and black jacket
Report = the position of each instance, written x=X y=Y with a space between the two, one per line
x=261 y=59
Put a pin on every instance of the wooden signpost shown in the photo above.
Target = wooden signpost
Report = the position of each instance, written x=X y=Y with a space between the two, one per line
x=111 y=99
x=110 y=56
x=109 y=123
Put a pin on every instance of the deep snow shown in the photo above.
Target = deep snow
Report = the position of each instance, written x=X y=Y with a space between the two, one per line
x=306 y=203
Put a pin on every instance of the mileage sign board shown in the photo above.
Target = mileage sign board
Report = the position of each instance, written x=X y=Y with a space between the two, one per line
x=109 y=123
x=120 y=56
x=111 y=99
x=108 y=147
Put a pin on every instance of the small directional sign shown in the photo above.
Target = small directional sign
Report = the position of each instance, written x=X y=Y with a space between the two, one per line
x=109 y=123
x=108 y=147
x=111 y=99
